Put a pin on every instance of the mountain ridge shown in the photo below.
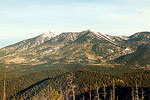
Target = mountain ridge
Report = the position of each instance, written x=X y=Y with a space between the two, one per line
x=69 y=47
x=138 y=58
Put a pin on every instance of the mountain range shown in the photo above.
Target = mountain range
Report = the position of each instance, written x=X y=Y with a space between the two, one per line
x=86 y=47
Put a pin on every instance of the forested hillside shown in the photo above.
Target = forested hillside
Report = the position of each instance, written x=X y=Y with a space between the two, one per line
x=31 y=85
x=137 y=59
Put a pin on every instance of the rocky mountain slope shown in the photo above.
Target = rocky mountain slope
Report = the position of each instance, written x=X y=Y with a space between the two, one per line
x=17 y=52
x=138 y=39
x=139 y=58
x=71 y=47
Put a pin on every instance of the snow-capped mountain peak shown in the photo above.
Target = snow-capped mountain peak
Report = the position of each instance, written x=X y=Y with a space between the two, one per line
x=49 y=34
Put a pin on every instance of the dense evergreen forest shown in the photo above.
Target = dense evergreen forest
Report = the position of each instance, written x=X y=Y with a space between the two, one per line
x=79 y=84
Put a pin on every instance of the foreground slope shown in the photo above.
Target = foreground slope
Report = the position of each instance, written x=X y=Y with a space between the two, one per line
x=30 y=85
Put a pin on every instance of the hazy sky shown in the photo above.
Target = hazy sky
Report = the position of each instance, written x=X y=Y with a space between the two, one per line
x=22 y=19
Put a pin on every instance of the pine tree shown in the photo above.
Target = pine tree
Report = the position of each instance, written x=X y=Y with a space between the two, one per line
x=13 y=98
x=117 y=98
x=54 y=95
x=62 y=93
x=133 y=98
x=111 y=94
x=21 y=98
x=73 y=92
x=104 y=90
x=4 y=91
x=83 y=98
x=72 y=86
x=67 y=94
x=142 y=94
x=137 y=94
x=97 y=94
x=113 y=89
x=90 y=93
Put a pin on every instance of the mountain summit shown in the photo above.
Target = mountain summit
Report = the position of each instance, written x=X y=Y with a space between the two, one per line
x=48 y=35
x=68 y=47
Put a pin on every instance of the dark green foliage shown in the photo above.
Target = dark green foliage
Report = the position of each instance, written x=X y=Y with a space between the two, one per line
x=141 y=36
x=29 y=85
x=16 y=84
x=140 y=57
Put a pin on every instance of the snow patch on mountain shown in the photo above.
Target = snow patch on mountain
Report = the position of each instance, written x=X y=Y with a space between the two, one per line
x=105 y=37
x=127 y=51
x=123 y=37
x=48 y=34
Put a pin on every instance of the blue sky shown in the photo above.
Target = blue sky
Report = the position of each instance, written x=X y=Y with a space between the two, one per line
x=22 y=19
